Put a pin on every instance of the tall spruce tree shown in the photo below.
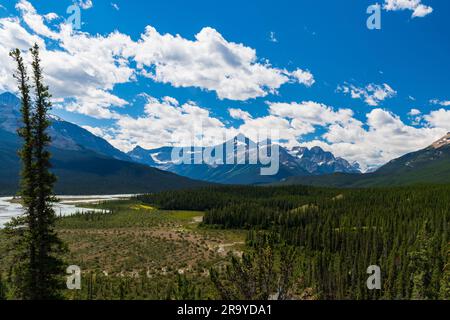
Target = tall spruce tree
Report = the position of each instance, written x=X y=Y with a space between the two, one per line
x=23 y=229
x=49 y=246
x=37 y=267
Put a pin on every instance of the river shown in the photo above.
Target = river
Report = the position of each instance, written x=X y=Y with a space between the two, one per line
x=66 y=206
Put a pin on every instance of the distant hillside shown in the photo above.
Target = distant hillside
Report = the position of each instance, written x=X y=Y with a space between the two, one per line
x=430 y=165
x=65 y=135
x=83 y=172
x=90 y=173
x=81 y=137
x=84 y=163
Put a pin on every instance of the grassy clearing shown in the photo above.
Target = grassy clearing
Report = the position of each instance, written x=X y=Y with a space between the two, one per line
x=135 y=238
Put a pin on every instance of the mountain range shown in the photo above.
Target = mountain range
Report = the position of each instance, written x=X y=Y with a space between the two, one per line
x=84 y=163
x=88 y=164
x=296 y=162
x=429 y=165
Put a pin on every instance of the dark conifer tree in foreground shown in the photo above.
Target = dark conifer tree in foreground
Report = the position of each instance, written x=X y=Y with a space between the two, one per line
x=49 y=245
x=37 y=268
x=23 y=229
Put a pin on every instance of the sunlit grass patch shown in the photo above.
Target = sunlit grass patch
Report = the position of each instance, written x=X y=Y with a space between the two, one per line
x=143 y=207
x=184 y=215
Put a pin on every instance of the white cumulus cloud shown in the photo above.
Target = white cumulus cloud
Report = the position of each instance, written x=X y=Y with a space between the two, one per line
x=210 y=62
x=372 y=94
x=418 y=9
x=239 y=114
x=439 y=118
x=444 y=103
x=83 y=69
x=85 y=4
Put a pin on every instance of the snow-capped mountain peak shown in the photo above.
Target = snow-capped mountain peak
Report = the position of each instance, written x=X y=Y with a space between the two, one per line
x=298 y=161
x=318 y=161
x=444 y=141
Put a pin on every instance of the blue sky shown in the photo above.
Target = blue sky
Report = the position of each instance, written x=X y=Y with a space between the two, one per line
x=311 y=69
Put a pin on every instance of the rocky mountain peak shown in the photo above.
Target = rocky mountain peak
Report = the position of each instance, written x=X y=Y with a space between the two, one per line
x=318 y=161
x=444 y=141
